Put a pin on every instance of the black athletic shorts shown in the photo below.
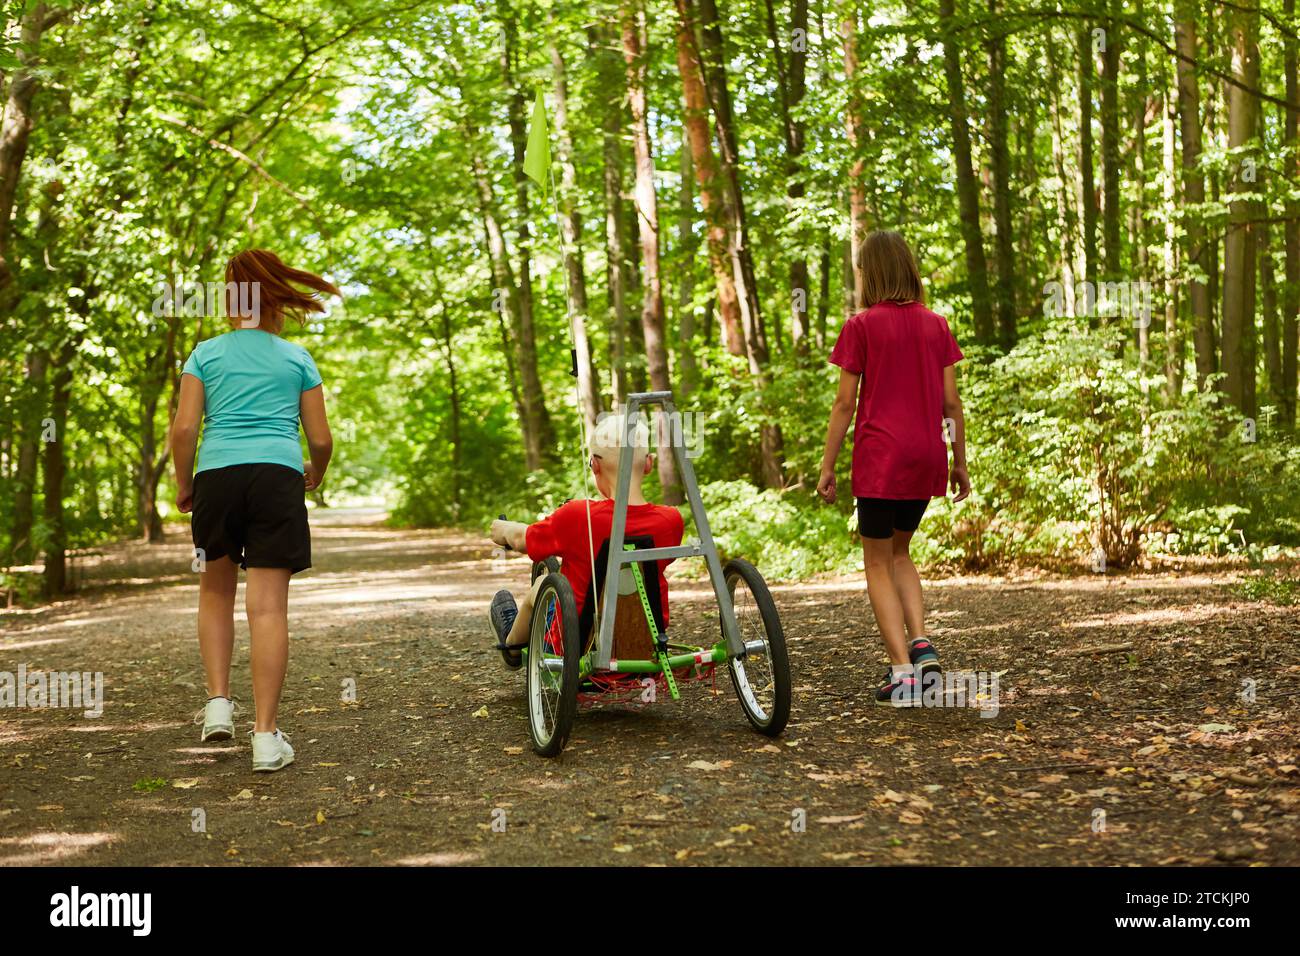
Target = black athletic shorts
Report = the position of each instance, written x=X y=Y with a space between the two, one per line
x=881 y=517
x=256 y=515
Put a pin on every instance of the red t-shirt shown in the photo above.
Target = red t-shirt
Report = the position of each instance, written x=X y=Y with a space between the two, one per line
x=563 y=534
x=898 y=446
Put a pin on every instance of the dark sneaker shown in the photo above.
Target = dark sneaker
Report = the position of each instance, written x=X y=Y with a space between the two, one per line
x=924 y=657
x=900 y=692
x=502 y=614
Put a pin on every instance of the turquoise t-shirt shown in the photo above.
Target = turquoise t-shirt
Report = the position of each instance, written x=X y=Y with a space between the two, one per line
x=252 y=384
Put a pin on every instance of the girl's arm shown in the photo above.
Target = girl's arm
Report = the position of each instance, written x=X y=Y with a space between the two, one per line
x=320 y=444
x=185 y=438
x=842 y=411
x=958 y=477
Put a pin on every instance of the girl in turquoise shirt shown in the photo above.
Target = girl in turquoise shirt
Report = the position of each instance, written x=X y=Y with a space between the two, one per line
x=250 y=389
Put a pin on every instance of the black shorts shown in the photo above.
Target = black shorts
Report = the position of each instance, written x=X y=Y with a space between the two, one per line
x=881 y=517
x=256 y=515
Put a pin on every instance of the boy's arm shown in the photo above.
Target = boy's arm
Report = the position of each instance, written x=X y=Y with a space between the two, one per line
x=958 y=477
x=842 y=411
x=510 y=534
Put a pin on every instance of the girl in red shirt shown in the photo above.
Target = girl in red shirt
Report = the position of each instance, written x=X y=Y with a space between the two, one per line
x=897 y=377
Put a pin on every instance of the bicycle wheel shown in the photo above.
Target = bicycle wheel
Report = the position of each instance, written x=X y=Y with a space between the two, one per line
x=762 y=678
x=553 y=656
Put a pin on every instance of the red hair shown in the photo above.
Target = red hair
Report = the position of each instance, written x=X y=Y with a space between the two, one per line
x=273 y=294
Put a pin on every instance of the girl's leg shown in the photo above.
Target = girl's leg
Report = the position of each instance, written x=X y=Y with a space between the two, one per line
x=217 y=584
x=878 y=557
x=266 y=599
x=907 y=581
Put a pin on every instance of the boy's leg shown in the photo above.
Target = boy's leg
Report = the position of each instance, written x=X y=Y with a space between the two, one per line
x=878 y=558
x=518 y=635
x=266 y=599
x=217 y=584
x=907 y=581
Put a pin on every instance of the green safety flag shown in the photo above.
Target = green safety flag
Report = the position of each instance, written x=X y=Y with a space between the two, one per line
x=537 y=158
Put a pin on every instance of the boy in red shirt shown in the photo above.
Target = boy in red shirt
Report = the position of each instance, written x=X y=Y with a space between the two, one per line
x=897 y=376
x=564 y=534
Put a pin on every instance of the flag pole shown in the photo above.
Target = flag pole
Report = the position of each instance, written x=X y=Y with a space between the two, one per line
x=544 y=145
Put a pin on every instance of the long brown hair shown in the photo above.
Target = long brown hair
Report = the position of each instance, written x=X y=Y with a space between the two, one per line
x=889 y=272
x=259 y=293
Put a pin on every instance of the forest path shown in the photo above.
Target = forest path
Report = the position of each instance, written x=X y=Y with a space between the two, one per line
x=435 y=748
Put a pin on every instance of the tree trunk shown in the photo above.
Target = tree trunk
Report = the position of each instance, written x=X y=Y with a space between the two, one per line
x=823 y=291
x=1137 y=219
x=20 y=531
x=453 y=396
x=505 y=301
x=55 y=465
x=855 y=128
x=696 y=123
x=571 y=230
x=1173 y=333
x=539 y=421
x=1198 y=251
x=1291 y=297
x=1239 y=266
x=647 y=216
x=1268 y=314
x=1110 y=147
x=713 y=61
x=687 y=246
x=967 y=184
x=15 y=132
x=1087 y=177
x=791 y=88
x=1001 y=169
x=610 y=74
x=1066 y=212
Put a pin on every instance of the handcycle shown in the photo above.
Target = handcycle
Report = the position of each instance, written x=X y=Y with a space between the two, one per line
x=629 y=648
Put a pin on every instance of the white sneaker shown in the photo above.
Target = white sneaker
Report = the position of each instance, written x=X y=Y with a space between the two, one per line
x=271 y=752
x=218 y=718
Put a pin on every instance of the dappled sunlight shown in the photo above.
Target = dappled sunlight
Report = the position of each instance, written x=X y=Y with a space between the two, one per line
x=95 y=727
x=1166 y=616
x=439 y=859
x=71 y=623
x=209 y=759
x=47 y=848
x=27 y=645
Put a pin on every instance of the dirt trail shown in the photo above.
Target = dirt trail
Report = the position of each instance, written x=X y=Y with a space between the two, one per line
x=1148 y=755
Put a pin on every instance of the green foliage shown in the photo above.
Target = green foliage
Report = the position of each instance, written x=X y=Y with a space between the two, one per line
x=787 y=536
x=345 y=135
x=1272 y=588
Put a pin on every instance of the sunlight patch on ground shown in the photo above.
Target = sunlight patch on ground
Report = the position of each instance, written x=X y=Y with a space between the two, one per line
x=51 y=847
x=94 y=727
x=1196 y=614
x=71 y=623
x=24 y=645
x=438 y=859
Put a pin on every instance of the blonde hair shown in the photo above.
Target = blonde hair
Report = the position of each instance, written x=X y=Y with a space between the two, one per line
x=889 y=272
x=609 y=438
x=273 y=297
